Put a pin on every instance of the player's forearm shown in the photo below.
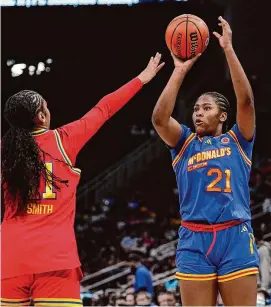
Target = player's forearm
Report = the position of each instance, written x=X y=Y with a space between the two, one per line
x=83 y=129
x=112 y=103
x=242 y=88
x=166 y=102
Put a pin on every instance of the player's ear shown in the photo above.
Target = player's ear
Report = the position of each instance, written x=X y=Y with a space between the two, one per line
x=41 y=118
x=223 y=117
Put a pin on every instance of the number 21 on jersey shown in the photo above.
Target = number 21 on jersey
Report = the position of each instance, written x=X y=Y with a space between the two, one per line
x=212 y=186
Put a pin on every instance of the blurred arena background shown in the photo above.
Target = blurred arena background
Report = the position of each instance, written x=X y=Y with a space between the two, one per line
x=75 y=51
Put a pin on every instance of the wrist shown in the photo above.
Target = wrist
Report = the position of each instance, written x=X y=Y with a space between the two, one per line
x=142 y=79
x=180 y=71
x=228 y=48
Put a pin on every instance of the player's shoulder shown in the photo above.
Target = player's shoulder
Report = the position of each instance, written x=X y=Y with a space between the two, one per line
x=43 y=136
x=238 y=137
x=186 y=136
x=243 y=145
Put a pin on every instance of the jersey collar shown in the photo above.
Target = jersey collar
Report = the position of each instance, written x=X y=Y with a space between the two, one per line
x=211 y=137
x=39 y=131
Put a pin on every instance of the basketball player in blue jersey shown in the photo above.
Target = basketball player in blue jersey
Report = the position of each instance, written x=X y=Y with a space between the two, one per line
x=216 y=249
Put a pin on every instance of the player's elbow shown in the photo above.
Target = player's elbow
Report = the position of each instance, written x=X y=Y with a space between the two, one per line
x=158 y=120
x=248 y=101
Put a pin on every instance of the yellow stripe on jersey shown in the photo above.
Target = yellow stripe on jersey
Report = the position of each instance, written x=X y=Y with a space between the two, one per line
x=186 y=143
x=233 y=135
x=39 y=131
x=64 y=154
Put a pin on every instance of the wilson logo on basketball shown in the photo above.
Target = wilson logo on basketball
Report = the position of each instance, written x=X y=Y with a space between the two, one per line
x=186 y=36
x=225 y=140
x=194 y=43
x=179 y=40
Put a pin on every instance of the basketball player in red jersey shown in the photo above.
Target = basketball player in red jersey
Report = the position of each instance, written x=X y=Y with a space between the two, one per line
x=39 y=252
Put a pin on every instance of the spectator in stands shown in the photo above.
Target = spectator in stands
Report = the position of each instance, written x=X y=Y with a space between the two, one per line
x=131 y=244
x=166 y=299
x=264 y=250
x=143 y=277
x=130 y=282
x=120 y=302
x=130 y=299
x=144 y=298
x=147 y=240
x=172 y=285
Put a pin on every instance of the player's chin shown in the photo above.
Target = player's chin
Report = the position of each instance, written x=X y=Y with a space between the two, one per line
x=200 y=130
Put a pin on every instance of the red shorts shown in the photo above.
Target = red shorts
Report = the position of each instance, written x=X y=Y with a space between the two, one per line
x=56 y=288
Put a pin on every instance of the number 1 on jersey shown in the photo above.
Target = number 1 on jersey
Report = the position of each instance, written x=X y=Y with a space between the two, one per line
x=212 y=186
x=49 y=194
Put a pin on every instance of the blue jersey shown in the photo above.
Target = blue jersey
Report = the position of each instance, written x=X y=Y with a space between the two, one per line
x=212 y=176
x=143 y=280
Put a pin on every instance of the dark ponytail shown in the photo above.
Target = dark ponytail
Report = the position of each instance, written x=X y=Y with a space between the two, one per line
x=22 y=161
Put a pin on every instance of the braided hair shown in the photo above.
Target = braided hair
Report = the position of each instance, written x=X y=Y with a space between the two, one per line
x=223 y=105
x=22 y=163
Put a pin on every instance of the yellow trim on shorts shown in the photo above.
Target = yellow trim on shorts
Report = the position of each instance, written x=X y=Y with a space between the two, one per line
x=69 y=302
x=196 y=277
x=15 y=301
x=238 y=274
x=57 y=299
x=58 y=304
x=14 y=304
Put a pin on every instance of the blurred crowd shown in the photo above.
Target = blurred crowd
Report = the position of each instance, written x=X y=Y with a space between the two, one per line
x=114 y=229
x=141 y=298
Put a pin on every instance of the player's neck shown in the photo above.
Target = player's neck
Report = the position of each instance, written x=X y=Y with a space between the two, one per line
x=214 y=134
x=38 y=127
x=217 y=133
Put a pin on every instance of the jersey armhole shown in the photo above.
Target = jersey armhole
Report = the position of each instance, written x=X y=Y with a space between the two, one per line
x=64 y=154
x=183 y=148
x=242 y=152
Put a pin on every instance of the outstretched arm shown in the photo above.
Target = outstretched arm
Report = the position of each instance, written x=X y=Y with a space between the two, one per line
x=76 y=134
x=166 y=126
x=244 y=95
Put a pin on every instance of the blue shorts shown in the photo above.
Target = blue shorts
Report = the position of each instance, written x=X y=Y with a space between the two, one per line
x=232 y=255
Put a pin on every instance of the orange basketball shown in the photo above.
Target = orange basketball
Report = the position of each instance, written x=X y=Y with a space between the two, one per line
x=186 y=36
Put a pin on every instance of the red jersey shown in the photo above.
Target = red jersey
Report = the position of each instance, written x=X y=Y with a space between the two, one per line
x=43 y=239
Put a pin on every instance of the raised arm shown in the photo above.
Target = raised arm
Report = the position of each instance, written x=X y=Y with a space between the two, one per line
x=166 y=126
x=76 y=134
x=243 y=92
